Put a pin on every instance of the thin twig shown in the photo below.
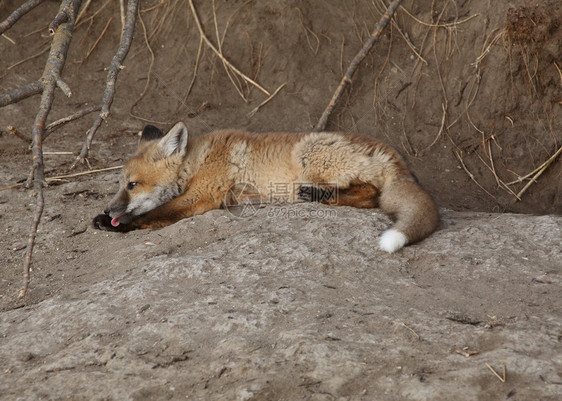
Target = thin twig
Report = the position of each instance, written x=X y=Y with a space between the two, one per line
x=114 y=68
x=213 y=48
x=45 y=50
x=346 y=80
x=17 y=14
x=63 y=177
x=14 y=131
x=60 y=122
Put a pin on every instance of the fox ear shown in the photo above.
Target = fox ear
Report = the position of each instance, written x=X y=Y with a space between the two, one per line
x=150 y=132
x=175 y=141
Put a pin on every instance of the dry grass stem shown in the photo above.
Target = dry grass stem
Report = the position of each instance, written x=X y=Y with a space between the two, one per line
x=149 y=74
x=251 y=114
x=218 y=53
x=402 y=324
x=195 y=69
x=12 y=41
x=546 y=163
x=408 y=42
x=539 y=172
x=501 y=184
x=83 y=11
x=487 y=48
x=45 y=50
x=91 y=17
x=559 y=71
x=472 y=177
x=123 y=16
x=169 y=10
x=501 y=378
x=443 y=118
x=97 y=41
x=220 y=41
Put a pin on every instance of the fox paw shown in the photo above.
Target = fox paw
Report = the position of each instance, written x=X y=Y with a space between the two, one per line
x=103 y=222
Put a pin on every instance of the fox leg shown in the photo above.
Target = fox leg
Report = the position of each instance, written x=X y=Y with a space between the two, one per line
x=360 y=195
x=164 y=215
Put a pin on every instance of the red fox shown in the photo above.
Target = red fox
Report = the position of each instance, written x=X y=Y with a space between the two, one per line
x=171 y=178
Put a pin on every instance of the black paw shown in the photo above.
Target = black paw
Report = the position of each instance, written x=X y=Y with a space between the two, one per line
x=309 y=193
x=103 y=222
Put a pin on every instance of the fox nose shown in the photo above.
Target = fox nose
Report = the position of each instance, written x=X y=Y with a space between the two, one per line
x=106 y=211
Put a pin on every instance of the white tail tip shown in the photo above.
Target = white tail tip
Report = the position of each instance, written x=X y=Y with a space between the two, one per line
x=392 y=240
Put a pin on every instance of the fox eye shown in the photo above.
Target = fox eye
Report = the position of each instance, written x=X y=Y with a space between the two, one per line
x=131 y=185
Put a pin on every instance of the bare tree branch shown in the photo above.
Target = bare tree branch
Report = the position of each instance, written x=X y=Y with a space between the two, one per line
x=50 y=79
x=346 y=80
x=17 y=14
x=21 y=93
x=113 y=71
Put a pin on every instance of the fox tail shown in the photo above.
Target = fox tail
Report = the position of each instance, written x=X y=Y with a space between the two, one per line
x=415 y=213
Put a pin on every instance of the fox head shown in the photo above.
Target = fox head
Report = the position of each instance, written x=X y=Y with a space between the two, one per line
x=150 y=178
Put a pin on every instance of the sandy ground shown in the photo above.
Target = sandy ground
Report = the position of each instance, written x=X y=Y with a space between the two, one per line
x=295 y=302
